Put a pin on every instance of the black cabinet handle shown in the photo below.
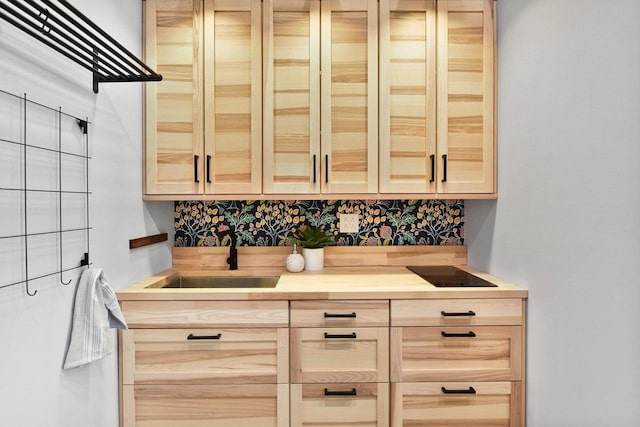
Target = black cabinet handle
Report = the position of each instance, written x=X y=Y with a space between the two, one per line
x=208 y=169
x=454 y=314
x=333 y=315
x=314 y=168
x=204 y=337
x=351 y=335
x=351 y=392
x=326 y=169
x=469 y=390
x=469 y=334
x=433 y=167
x=195 y=168
x=444 y=168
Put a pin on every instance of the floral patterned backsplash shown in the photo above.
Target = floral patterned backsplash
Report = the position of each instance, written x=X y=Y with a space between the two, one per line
x=271 y=223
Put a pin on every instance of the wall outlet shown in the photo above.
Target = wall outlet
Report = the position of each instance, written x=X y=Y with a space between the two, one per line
x=349 y=223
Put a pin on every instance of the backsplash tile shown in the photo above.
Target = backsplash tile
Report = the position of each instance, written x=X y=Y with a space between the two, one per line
x=271 y=223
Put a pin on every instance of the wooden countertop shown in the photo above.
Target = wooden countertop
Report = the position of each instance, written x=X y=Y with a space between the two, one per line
x=377 y=282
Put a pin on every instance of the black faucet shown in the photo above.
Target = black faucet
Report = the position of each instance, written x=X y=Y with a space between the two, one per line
x=233 y=251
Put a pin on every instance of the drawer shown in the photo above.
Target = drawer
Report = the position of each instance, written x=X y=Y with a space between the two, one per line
x=193 y=314
x=455 y=353
x=205 y=356
x=440 y=312
x=495 y=404
x=339 y=314
x=327 y=355
x=351 y=404
x=264 y=405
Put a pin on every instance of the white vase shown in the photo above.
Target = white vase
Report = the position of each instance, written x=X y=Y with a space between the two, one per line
x=313 y=259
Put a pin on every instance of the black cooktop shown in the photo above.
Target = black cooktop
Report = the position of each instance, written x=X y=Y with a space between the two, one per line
x=446 y=276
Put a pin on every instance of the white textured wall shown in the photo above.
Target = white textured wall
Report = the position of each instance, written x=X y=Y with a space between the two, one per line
x=567 y=222
x=34 y=391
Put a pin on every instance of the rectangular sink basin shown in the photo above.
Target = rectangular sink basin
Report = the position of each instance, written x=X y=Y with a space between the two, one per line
x=223 y=282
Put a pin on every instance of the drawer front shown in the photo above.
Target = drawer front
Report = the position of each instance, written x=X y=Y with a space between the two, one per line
x=347 y=404
x=455 y=353
x=452 y=312
x=205 y=356
x=495 y=404
x=320 y=355
x=248 y=405
x=339 y=314
x=194 y=314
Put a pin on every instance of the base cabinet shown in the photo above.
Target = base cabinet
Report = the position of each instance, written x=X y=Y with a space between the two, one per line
x=246 y=405
x=344 y=405
x=479 y=353
x=324 y=363
x=205 y=363
x=457 y=362
x=468 y=404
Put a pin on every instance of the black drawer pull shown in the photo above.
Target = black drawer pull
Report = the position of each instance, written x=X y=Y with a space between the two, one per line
x=334 y=315
x=351 y=392
x=469 y=334
x=326 y=169
x=204 y=337
x=196 y=175
x=468 y=313
x=351 y=335
x=208 y=169
x=433 y=167
x=314 y=168
x=444 y=168
x=470 y=390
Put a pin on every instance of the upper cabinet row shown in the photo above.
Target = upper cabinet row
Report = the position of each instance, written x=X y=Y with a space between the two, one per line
x=307 y=97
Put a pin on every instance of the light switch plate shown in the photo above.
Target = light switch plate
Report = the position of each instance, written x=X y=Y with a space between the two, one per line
x=349 y=223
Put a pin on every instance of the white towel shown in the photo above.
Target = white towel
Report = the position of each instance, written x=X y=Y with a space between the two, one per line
x=95 y=311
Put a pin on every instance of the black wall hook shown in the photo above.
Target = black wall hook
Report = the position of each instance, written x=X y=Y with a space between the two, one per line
x=26 y=284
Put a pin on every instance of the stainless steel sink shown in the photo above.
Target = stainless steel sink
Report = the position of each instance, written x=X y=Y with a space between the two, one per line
x=223 y=282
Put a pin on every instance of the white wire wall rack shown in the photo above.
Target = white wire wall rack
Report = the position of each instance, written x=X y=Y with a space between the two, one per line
x=44 y=192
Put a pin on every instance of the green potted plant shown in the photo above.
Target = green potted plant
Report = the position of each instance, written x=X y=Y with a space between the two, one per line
x=313 y=240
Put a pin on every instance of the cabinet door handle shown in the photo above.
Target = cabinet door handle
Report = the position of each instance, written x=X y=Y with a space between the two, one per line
x=454 y=314
x=204 y=337
x=351 y=335
x=314 y=168
x=351 y=392
x=469 y=390
x=444 y=168
x=326 y=169
x=208 y=169
x=469 y=334
x=195 y=168
x=433 y=167
x=333 y=315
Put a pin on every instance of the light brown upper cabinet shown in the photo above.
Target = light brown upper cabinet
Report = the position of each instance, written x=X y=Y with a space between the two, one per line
x=291 y=139
x=349 y=96
x=319 y=98
x=173 y=107
x=407 y=96
x=320 y=72
x=465 y=107
x=204 y=120
x=436 y=96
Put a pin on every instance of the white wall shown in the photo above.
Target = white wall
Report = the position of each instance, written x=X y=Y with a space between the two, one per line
x=567 y=222
x=34 y=391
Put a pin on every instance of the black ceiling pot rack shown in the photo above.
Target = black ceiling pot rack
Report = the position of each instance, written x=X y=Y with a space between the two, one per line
x=63 y=28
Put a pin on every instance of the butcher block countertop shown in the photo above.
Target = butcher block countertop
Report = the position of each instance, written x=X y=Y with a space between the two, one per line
x=372 y=282
x=349 y=273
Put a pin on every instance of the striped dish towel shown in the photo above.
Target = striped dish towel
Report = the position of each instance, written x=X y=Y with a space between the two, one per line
x=95 y=312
